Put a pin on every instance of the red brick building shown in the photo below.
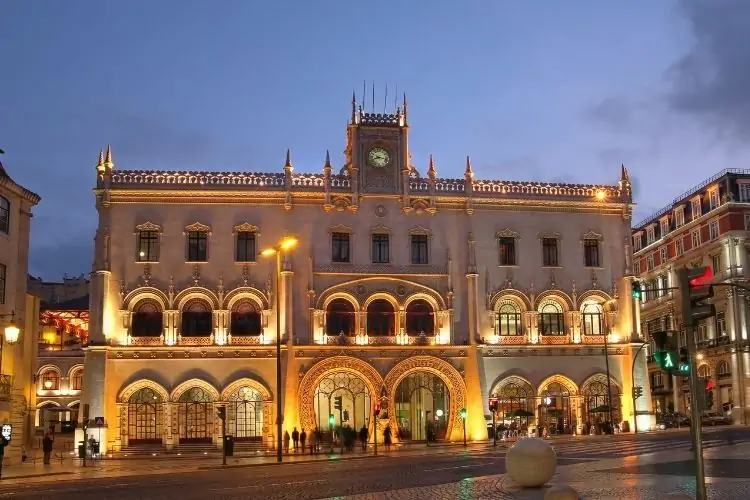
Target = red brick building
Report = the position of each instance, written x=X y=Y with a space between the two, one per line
x=707 y=225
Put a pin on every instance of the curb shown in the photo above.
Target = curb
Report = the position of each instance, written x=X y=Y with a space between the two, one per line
x=29 y=476
x=272 y=464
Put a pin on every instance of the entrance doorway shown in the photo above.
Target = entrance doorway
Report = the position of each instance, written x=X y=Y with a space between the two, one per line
x=422 y=407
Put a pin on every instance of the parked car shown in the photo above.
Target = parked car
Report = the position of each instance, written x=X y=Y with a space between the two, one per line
x=671 y=420
x=714 y=418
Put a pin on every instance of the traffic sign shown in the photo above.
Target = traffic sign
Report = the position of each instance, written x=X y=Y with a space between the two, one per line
x=99 y=421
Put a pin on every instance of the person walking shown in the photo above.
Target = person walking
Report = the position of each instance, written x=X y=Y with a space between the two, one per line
x=313 y=442
x=302 y=440
x=286 y=442
x=363 y=437
x=295 y=439
x=387 y=437
x=47 y=443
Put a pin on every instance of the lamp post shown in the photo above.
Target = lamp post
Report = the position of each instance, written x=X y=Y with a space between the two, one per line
x=462 y=412
x=284 y=245
x=12 y=333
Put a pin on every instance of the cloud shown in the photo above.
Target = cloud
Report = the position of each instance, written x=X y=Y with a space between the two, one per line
x=617 y=113
x=711 y=82
x=52 y=260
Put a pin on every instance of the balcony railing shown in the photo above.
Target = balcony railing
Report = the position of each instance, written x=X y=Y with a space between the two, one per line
x=6 y=387
x=405 y=339
x=547 y=340
x=197 y=341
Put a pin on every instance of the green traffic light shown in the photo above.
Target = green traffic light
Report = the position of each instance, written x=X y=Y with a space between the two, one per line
x=463 y=413
x=636 y=290
x=331 y=420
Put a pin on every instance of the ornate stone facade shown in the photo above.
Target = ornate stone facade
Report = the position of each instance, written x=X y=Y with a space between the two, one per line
x=397 y=281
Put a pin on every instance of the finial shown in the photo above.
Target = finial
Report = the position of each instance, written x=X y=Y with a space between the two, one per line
x=431 y=172
x=624 y=175
x=405 y=109
x=328 y=160
x=108 y=163
x=468 y=172
x=288 y=161
x=354 y=107
x=100 y=161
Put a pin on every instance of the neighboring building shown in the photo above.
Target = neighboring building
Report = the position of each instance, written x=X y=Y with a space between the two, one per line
x=59 y=370
x=17 y=356
x=54 y=292
x=424 y=294
x=706 y=226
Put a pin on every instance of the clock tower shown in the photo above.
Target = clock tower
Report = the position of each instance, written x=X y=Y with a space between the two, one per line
x=377 y=152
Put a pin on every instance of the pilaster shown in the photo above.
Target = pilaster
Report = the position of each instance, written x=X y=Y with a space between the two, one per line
x=95 y=393
x=291 y=379
x=644 y=404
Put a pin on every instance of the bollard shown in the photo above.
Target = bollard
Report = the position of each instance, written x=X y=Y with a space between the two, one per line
x=531 y=462
x=561 y=492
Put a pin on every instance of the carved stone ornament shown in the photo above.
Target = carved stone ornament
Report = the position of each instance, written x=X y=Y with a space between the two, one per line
x=245 y=227
x=507 y=233
x=380 y=229
x=340 y=228
x=148 y=226
x=146 y=275
x=245 y=274
x=196 y=275
x=380 y=211
x=419 y=230
x=592 y=235
x=197 y=227
x=549 y=234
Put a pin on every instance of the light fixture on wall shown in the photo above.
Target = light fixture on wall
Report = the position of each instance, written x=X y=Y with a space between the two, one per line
x=11 y=334
x=48 y=384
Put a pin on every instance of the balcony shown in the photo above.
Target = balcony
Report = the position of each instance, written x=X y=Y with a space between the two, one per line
x=197 y=341
x=404 y=339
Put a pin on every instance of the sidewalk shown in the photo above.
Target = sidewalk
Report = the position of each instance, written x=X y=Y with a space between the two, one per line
x=72 y=469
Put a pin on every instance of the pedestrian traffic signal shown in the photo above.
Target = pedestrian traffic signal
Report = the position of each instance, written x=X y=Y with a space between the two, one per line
x=638 y=391
x=462 y=412
x=346 y=416
x=709 y=394
x=331 y=420
x=636 y=290
x=666 y=360
x=700 y=397
x=376 y=410
x=493 y=405
x=684 y=368
x=337 y=403
x=695 y=289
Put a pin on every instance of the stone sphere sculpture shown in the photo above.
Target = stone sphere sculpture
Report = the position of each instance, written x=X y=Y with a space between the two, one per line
x=561 y=492
x=531 y=462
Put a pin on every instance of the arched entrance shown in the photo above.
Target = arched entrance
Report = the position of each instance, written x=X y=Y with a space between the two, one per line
x=596 y=403
x=556 y=412
x=515 y=403
x=145 y=417
x=356 y=401
x=422 y=407
x=422 y=384
x=195 y=416
x=334 y=376
x=245 y=414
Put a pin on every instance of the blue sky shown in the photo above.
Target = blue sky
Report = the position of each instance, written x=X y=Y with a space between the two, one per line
x=537 y=90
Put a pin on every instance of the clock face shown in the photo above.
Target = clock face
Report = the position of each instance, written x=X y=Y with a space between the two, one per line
x=379 y=157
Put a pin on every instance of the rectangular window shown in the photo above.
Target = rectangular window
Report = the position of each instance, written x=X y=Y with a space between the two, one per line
x=696 y=239
x=716 y=263
x=4 y=215
x=3 y=277
x=679 y=217
x=679 y=246
x=549 y=252
x=713 y=199
x=650 y=262
x=744 y=192
x=197 y=246
x=713 y=230
x=340 y=247
x=637 y=267
x=637 y=242
x=591 y=253
x=148 y=246
x=696 y=207
x=246 y=247
x=419 y=249
x=507 y=251
x=664 y=227
x=380 y=249
x=747 y=222
x=721 y=326
x=663 y=255
x=650 y=235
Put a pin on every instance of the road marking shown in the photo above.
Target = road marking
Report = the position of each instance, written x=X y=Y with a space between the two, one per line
x=293 y=483
x=459 y=467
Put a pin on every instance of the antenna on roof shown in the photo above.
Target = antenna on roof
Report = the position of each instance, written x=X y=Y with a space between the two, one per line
x=385 y=100
x=395 y=99
x=364 y=95
x=373 y=96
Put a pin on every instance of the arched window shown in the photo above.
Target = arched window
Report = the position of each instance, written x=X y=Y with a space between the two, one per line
x=591 y=313
x=381 y=318
x=551 y=319
x=340 y=317
x=246 y=318
x=197 y=320
x=723 y=368
x=420 y=317
x=509 y=319
x=147 y=319
x=50 y=380
x=704 y=371
x=76 y=380
x=4 y=215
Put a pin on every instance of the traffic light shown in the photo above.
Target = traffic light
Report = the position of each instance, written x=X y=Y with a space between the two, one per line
x=699 y=398
x=709 y=394
x=695 y=289
x=638 y=391
x=666 y=360
x=331 y=420
x=493 y=405
x=337 y=403
x=462 y=412
x=346 y=416
x=222 y=412
x=684 y=368
x=376 y=410
x=636 y=291
x=85 y=417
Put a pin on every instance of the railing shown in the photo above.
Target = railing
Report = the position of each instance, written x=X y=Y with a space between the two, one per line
x=6 y=387
x=544 y=340
x=381 y=340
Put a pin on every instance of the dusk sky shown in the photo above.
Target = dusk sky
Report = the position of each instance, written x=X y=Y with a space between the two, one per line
x=532 y=90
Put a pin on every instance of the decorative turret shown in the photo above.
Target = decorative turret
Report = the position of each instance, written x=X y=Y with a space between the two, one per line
x=431 y=172
x=625 y=186
x=327 y=205
x=108 y=163
x=100 y=162
x=288 y=169
x=469 y=187
x=431 y=178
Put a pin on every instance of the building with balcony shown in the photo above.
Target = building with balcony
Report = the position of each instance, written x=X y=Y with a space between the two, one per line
x=420 y=293
x=705 y=226
x=18 y=314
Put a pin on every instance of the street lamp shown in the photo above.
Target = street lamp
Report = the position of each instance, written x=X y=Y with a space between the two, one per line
x=285 y=245
x=12 y=332
x=462 y=412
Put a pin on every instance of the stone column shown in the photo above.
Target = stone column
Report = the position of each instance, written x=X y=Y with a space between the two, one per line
x=285 y=299
x=644 y=405
x=290 y=385
x=95 y=393
x=122 y=437
x=170 y=437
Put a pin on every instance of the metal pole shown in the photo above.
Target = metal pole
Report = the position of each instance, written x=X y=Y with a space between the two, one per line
x=224 y=440
x=494 y=428
x=376 y=435
x=464 y=421
x=632 y=377
x=695 y=416
x=609 y=381
x=279 y=414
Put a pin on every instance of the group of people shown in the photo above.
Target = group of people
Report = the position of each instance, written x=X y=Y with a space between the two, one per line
x=299 y=442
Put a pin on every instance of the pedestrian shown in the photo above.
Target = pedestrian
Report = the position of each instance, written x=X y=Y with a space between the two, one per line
x=47 y=443
x=302 y=440
x=387 y=433
x=24 y=454
x=313 y=441
x=363 y=437
x=3 y=443
x=295 y=439
x=286 y=442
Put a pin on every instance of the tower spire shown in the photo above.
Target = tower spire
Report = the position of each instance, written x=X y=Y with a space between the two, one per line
x=288 y=160
x=100 y=161
x=354 y=106
x=108 y=163
x=431 y=172
x=406 y=113
x=328 y=160
x=468 y=172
